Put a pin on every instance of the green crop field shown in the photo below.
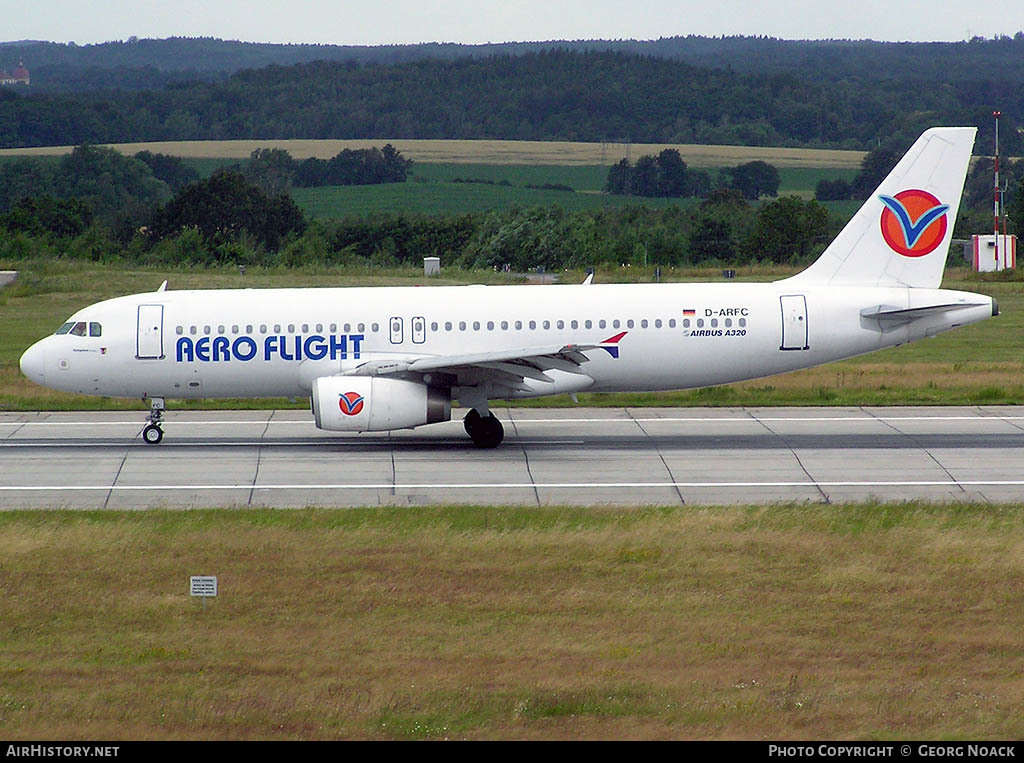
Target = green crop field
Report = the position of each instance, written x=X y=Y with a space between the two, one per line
x=440 y=198
x=867 y=621
x=432 y=190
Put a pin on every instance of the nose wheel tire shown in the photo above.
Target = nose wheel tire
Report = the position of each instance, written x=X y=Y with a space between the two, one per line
x=485 y=431
x=152 y=434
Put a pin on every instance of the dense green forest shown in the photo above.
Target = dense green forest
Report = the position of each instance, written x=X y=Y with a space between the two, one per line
x=147 y=63
x=551 y=95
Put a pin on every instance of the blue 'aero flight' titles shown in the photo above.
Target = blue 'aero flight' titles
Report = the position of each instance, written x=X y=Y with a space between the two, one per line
x=245 y=348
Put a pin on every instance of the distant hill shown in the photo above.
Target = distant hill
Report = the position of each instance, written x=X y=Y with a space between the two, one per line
x=145 y=63
x=832 y=94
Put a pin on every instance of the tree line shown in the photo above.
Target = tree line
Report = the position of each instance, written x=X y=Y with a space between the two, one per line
x=667 y=176
x=547 y=95
x=97 y=204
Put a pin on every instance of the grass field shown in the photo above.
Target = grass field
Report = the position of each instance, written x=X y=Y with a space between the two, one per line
x=437 y=164
x=979 y=364
x=432 y=190
x=781 y=622
x=440 y=198
x=486 y=151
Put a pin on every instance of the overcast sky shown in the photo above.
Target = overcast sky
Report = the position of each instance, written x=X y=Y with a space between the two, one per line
x=377 y=22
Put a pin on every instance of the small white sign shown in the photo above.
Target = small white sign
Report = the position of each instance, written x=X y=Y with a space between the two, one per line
x=202 y=585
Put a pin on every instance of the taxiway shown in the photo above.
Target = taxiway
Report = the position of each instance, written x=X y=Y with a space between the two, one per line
x=566 y=456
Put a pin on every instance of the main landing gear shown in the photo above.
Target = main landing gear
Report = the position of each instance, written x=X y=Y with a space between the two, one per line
x=152 y=434
x=486 y=431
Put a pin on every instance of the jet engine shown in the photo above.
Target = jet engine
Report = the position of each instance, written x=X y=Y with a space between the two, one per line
x=375 y=404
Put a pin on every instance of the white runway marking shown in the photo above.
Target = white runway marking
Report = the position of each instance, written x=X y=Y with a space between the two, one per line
x=171 y=423
x=526 y=485
x=326 y=441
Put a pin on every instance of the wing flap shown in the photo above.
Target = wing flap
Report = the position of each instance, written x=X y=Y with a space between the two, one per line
x=509 y=367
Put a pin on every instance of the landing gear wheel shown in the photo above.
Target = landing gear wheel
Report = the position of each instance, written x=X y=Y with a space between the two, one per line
x=471 y=422
x=486 y=431
x=152 y=434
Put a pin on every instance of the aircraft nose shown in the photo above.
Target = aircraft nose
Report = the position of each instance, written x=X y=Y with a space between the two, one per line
x=33 y=363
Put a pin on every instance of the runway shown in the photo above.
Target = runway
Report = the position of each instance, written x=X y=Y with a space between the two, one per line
x=589 y=456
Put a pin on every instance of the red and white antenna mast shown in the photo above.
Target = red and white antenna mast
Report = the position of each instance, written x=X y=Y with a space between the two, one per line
x=997 y=114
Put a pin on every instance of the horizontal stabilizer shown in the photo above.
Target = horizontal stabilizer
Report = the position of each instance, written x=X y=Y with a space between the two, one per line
x=893 y=314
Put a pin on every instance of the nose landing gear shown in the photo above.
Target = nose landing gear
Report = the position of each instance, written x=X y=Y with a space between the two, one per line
x=152 y=434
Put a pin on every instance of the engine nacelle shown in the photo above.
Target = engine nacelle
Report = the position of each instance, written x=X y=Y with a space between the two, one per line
x=375 y=404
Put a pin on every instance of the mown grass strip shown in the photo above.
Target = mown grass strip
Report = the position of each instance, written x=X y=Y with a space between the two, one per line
x=865 y=621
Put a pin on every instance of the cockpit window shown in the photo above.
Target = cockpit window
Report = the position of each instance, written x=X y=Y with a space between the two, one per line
x=65 y=328
x=95 y=329
x=78 y=329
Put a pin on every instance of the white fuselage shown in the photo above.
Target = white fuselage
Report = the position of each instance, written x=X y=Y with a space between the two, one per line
x=275 y=342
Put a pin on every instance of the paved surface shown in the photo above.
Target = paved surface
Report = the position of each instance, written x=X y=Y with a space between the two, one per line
x=572 y=456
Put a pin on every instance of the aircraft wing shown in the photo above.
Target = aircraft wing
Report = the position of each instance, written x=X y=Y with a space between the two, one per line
x=506 y=367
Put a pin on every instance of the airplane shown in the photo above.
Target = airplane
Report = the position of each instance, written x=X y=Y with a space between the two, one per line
x=383 y=358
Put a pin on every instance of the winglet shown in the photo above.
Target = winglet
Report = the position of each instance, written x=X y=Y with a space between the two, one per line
x=163 y=286
x=587 y=281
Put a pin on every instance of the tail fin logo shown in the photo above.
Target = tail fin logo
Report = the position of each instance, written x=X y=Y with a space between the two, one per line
x=914 y=222
x=351 y=403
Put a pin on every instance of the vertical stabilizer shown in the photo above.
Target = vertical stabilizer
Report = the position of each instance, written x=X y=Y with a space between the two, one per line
x=901 y=235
